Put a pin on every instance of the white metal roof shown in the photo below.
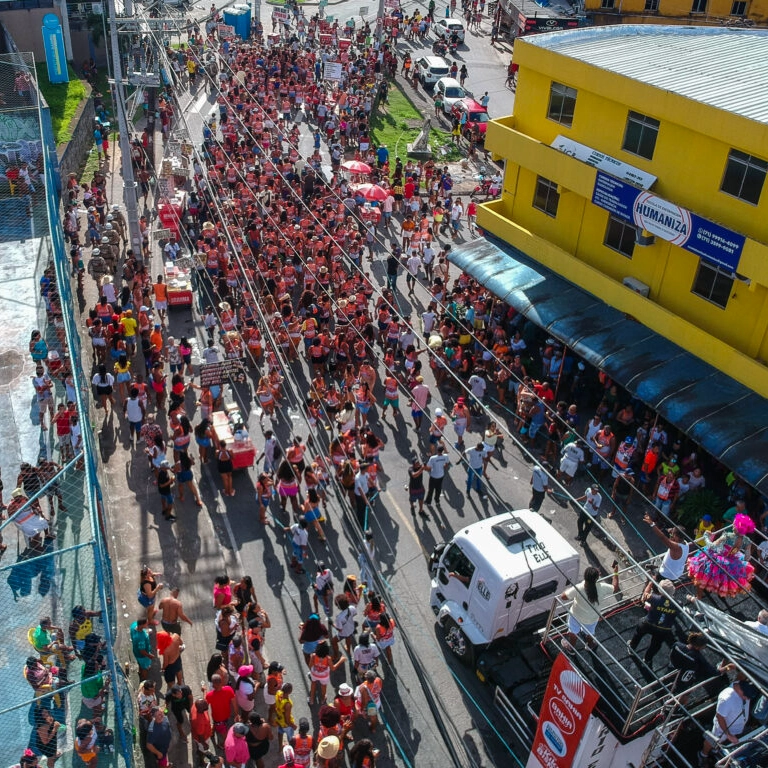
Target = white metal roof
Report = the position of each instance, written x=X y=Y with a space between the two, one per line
x=724 y=67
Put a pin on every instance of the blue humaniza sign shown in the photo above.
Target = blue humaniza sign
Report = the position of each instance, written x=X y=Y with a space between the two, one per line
x=669 y=221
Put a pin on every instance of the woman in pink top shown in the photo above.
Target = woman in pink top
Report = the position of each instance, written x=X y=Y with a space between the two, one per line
x=222 y=592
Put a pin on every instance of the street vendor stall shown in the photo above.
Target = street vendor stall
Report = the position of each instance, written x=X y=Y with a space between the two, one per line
x=178 y=278
x=171 y=211
x=228 y=426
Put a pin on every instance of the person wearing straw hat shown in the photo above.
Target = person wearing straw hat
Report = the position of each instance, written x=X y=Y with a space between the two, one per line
x=327 y=752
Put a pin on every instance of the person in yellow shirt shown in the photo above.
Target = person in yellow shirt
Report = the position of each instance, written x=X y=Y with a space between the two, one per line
x=130 y=325
x=705 y=526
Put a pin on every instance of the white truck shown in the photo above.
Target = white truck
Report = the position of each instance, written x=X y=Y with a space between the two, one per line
x=499 y=576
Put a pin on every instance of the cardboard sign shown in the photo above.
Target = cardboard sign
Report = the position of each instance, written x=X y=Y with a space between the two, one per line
x=216 y=373
x=333 y=70
x=161 y=234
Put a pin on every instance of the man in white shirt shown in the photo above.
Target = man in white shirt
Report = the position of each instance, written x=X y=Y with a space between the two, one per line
x=731 y=716
x=539 y=487
x=589 y=512
x=761 y=625
x=211 y=354
x=412 y=267
x=428 y=259
x=573 y=455
x=478 y=385
x=363 y=490
x=407 y=334
x=428 y=319
x=474 y=457
x=436 y=465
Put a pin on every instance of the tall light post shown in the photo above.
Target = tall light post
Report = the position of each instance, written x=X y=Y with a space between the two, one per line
x=130 y=198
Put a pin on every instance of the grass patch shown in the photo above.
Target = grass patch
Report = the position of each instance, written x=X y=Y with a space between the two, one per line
x=63 y=100
x=91 y=166
x=391 y=125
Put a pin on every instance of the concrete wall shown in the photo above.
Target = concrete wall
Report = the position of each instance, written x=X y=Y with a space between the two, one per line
x=73 y=154
x=25 y=27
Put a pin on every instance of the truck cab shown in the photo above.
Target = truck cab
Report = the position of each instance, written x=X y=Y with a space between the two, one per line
x=498 y=576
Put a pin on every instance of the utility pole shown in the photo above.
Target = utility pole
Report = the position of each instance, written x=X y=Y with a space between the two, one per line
x=380 y=22
x=130 y=198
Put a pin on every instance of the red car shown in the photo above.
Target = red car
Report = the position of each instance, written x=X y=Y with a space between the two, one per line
x=477 y=116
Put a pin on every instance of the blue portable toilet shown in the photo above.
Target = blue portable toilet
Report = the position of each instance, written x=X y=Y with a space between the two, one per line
x=239 y=17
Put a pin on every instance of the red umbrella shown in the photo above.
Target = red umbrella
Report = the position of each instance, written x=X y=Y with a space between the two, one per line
x=372 y=191
x=356 y=166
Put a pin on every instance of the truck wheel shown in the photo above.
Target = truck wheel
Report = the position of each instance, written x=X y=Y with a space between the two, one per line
x=458 y=642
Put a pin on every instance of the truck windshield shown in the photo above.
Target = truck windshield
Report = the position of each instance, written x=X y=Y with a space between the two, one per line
x=455 y=560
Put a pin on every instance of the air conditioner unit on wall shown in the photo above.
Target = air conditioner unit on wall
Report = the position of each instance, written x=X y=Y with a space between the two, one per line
x=643 y=237
x=637 y=286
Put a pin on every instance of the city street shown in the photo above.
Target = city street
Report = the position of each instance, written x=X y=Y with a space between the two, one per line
x=437 y=712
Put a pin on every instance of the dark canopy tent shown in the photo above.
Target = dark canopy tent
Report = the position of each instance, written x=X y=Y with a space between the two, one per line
x=726 y=418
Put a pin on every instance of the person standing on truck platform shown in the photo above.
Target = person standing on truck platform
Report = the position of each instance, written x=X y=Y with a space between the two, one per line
x=589 y=599
x=673 y=565
x=731 y=716
x=659 y=622
x=589 y=512
x=539 y=486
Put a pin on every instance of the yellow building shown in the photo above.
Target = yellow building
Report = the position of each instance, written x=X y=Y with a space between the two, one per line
x=692 y=12
x=635 y=168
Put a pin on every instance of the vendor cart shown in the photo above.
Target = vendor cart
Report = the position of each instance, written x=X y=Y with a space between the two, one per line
x=229 y=427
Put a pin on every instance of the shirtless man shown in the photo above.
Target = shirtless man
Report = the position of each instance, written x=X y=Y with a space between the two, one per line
x=173 y=612
x=170 y=646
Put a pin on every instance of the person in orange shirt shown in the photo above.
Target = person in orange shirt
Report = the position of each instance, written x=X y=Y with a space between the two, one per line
x=156 y=340
x=160 y=291
x=201 y=726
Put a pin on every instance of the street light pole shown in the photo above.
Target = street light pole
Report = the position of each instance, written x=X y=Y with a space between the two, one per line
x=130 y=198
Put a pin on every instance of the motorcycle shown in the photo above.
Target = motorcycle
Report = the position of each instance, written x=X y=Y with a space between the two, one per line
x=439 y=48
x=484 y=187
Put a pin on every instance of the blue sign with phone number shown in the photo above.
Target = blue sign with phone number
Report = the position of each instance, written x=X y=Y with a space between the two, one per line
x=669 y=221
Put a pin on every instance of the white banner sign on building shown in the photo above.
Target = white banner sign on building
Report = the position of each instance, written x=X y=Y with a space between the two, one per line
x=603 y=162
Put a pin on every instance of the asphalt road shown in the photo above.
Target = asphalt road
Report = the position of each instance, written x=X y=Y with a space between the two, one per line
x=437 y=712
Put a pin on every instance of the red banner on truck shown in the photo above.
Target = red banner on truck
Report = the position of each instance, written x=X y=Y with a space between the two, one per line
x=565 y=710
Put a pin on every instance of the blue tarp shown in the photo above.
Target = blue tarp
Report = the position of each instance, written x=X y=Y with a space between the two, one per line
x=726 y=418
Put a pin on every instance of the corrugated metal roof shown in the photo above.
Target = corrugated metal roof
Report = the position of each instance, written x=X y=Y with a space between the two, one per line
x=724 y=67
x=726 y=418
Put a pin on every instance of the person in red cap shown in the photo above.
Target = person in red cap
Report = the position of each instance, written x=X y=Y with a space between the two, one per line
x=461 y=419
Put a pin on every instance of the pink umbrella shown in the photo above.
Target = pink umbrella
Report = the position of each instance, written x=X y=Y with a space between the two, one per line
x=372 y=191
x=356 y=166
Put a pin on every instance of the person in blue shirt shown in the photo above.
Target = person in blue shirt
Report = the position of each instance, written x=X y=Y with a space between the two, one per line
x=142 y=647
x=382 y=155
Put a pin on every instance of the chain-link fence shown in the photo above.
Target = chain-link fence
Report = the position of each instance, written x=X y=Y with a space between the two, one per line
x=57 y=666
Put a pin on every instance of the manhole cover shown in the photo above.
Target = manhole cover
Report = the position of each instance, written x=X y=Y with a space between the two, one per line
x=11 y=365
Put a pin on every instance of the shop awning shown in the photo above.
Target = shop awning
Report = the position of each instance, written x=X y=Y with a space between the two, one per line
x=724 y=417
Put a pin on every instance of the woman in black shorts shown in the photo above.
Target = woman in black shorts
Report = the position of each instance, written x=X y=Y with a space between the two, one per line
x=224 y=464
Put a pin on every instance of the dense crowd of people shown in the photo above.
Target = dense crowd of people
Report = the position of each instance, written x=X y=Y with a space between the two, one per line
x=290 y=270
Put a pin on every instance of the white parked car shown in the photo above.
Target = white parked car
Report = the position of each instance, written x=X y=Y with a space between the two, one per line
x=451 y=91
x=431 y=68
x=446 y=27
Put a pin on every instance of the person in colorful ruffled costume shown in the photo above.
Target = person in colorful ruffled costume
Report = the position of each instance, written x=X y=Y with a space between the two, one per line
x=721 y=567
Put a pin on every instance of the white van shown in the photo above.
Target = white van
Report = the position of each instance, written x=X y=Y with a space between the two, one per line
x=498 y=576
